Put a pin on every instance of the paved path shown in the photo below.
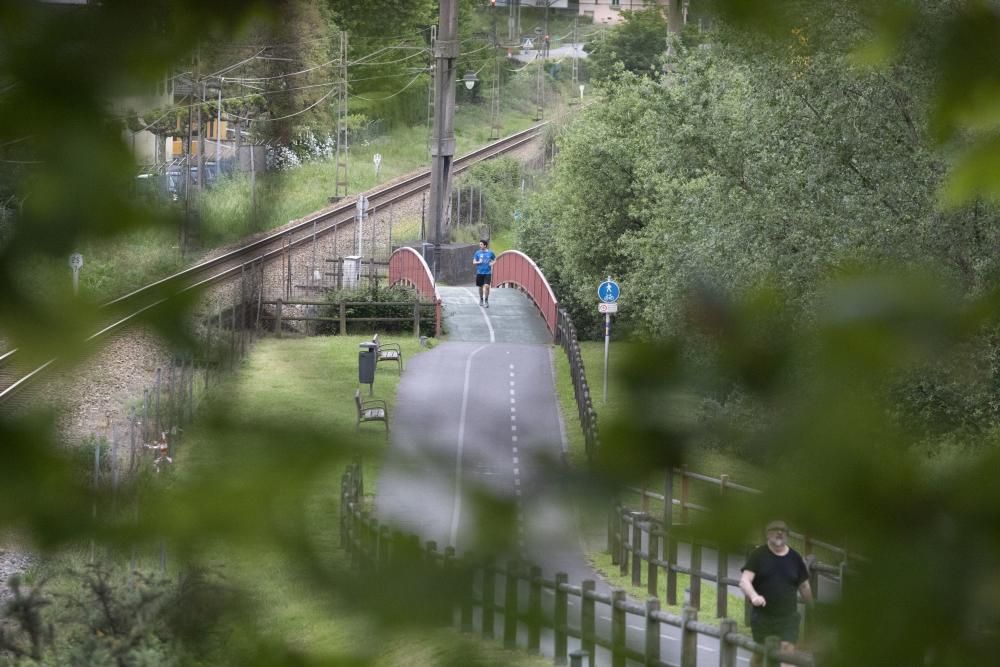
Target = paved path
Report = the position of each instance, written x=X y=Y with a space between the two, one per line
x=478 y=414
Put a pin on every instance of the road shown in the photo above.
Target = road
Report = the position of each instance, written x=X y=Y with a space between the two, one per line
x=476 y=416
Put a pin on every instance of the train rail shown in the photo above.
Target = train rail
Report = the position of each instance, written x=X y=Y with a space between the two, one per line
x=129 y=307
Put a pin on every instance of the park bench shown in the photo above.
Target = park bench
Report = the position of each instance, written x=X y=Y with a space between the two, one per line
x=373 y=410
x=387 y=352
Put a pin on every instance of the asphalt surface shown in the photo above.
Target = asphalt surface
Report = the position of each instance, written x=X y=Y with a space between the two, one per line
x=477 y=418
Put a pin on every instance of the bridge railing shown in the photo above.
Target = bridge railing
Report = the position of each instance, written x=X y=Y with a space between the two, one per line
x=515 y=269
x=407 y=266
x=566 y=336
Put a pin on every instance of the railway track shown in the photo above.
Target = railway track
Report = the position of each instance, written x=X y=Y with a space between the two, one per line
x=128 y=308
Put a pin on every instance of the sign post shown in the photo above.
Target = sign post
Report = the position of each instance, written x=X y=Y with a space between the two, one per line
x=608 y=293
x=75 y=263
x=377 y=159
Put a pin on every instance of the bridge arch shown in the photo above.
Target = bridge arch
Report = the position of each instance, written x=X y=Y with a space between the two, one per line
x=408 y=267
x=514 y=268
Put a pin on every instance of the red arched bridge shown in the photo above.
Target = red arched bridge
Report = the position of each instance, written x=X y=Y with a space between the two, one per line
x=511 y=269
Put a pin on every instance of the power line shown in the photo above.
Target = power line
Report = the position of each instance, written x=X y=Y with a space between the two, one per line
x=367 y=99
x=259 y=119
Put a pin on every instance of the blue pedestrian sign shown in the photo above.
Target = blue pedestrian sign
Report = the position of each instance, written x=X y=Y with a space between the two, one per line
x=609 y=291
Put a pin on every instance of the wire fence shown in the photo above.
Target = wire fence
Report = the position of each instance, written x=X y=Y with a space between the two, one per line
x=151 y=436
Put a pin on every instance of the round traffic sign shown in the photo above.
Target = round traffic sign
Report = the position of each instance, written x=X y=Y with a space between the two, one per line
x=609 y=291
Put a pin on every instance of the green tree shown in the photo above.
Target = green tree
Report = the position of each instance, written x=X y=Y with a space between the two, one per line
x=637 y=43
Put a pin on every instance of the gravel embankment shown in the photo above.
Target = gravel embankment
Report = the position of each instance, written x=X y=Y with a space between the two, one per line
x=12 y=561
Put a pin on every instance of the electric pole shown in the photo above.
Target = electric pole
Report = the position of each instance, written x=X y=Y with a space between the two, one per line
x=495 y=87
x=430 y=94
x=674 y=18
x=340 y=185
x=576 y=61
x=443 y=140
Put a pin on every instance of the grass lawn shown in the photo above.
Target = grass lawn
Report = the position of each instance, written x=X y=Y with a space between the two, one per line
x=311 y=381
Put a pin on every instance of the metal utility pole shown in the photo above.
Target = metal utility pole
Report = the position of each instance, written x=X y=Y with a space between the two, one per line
x=495 y=87
x=674 y=17
x=514 y=22
x=540 y=87
x=443 y=140
x=545 y=39
x=218 y=136
x=340 y=186
x=576 y=61
x=430 y=95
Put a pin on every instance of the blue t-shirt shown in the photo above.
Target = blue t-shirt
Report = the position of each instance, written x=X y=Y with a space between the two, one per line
x=484 y=257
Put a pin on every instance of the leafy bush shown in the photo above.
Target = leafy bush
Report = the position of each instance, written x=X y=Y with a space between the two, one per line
x=107 y=618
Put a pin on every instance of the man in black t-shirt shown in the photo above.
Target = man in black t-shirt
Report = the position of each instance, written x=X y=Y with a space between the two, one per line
x=772 y=578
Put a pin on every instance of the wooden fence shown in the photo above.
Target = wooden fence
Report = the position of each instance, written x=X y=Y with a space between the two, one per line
x=514 y=592
x=640 y=542
x=424 y=312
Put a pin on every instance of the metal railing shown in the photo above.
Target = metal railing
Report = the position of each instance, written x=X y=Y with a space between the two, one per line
x=566 y=336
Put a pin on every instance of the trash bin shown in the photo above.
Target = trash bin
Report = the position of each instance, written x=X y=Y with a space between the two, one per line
x=366 y=362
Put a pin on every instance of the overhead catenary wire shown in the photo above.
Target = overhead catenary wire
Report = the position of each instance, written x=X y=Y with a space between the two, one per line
x=264 y=119
x=367 y=99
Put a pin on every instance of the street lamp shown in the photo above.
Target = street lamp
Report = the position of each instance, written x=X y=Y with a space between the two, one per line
x=470 y=79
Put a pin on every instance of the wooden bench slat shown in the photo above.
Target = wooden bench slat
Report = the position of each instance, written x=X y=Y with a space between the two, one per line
x=387 y=352
x=373 y=410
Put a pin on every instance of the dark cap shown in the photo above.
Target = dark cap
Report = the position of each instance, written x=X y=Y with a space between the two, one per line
x=776 y=525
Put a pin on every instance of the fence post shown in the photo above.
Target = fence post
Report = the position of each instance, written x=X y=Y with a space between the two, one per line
x=398 y=549
x=689 y=638
x=747 y=607
x=652 y=631
x=343 y=511
x=534 y=609
x=623 y=541
x=722 y=588
x=510 y=605
x=467 y=591
x=652 y=569
x=695 y=574
x=384 y=540
x=618 y=627
x=363 y=540
x=343 y=318
x=560 y=613
x=669 y=543
x=613 y=547
x=587 y=617
x=371 y=546
x=772 y=645
x=637 y=549
x=277 y=317
x=685 y=490
x=727 y=651
x=671 y=572
x=489 y=584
